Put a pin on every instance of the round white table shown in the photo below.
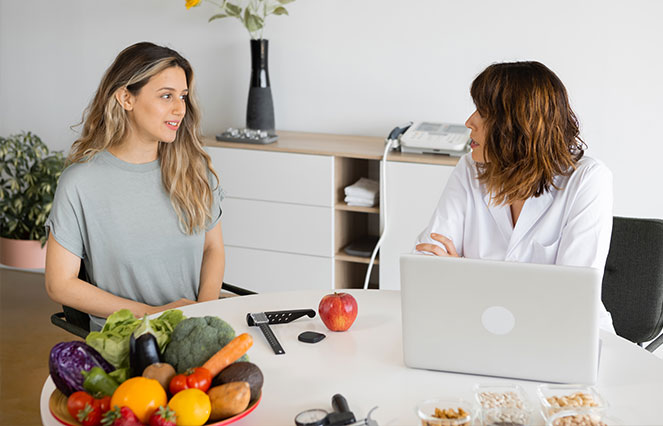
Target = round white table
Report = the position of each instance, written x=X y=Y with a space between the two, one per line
x=365 y=364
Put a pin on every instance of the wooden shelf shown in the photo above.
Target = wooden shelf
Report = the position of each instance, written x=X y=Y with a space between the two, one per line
x=345 y=207
x=341 y=255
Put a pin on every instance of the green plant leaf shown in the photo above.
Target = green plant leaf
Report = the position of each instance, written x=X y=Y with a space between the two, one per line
x=252 y=22
x=280 y=11
x=217 y=16
x=233 y=10
x=285 y=1
x=28 y=178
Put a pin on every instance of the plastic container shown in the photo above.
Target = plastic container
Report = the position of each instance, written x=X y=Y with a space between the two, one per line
x=426 y=411
x=582 y=417
x=505 y=405
x=555 y=398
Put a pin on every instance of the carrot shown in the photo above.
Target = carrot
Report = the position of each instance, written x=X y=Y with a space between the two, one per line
x=229 y=353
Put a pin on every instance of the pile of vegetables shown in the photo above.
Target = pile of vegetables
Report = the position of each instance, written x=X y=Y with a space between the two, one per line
x=167 y=371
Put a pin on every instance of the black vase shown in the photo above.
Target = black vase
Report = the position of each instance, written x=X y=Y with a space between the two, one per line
x=260 y=108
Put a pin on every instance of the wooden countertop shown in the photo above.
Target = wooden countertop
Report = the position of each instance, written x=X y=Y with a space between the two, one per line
x=362 y=147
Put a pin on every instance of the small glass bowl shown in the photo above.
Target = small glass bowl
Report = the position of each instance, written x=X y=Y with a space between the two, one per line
x=570 y=397
x=502 y=405
x=426 y=409
x=582 y=417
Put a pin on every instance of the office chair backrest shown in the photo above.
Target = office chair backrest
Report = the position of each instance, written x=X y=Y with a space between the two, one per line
x=73 y=320
x=633 y=278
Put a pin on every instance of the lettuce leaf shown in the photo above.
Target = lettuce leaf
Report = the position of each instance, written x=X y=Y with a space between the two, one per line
x=112 y=342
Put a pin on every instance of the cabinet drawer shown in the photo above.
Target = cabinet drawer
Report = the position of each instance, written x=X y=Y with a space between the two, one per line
x=268 y=271
x=274 y=176
x=289 y=228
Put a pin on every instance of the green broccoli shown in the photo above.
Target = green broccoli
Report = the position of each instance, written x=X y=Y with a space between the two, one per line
x=195 y=340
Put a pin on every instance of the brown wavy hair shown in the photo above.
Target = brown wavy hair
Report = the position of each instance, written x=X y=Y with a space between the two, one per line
x=185 y=166
x=532 y=134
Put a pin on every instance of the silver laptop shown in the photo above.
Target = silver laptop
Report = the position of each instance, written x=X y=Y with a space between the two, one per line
x=507 y=319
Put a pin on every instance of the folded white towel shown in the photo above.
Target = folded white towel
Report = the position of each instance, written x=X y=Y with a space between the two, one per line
x=370 y=199
x=364 y=188
x=360 y=201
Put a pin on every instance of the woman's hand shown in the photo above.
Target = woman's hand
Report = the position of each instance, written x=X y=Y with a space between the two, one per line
x=437 y=250
x=172 y=305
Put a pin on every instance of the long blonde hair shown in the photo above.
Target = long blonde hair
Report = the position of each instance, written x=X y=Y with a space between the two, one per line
x=185 y=166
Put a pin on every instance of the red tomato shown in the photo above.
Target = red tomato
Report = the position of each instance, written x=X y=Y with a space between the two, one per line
x=103 y=403
x=87 y=409
x=195 y=378
x=84 y=408
x=77 y=401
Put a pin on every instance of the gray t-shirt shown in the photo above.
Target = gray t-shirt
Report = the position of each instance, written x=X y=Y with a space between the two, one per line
x=117 y=217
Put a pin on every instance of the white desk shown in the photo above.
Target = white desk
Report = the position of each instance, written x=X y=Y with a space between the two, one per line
x=365 y=364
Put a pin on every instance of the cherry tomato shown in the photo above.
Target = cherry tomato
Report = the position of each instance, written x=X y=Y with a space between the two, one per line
x=194 y=378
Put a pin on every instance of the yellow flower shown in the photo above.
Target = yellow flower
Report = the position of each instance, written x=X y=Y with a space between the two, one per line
x=192 y=3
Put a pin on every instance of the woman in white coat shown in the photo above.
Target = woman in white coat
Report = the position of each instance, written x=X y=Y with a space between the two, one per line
x=527 y=192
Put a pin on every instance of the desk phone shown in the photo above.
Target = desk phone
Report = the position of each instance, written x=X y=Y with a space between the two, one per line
x=436 y=138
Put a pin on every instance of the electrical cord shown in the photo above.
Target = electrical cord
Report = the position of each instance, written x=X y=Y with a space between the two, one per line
x=383 y=196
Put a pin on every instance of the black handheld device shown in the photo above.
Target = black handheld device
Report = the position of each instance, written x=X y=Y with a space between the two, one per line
x=310 y=337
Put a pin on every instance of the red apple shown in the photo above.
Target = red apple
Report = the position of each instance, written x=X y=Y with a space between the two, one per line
x=338 y=311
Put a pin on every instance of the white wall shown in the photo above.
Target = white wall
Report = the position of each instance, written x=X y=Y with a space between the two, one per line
x=358 y=66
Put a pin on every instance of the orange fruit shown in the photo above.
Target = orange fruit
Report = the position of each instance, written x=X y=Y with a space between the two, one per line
x=142 y=395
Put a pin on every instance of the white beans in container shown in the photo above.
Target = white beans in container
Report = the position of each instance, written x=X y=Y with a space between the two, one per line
x=502 y=406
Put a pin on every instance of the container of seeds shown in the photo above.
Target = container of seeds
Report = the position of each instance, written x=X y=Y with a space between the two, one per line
x=502 y=405
x=445 y=412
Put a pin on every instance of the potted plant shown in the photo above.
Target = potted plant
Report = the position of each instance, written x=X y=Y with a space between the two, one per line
x=28 y=178
x=252 y=14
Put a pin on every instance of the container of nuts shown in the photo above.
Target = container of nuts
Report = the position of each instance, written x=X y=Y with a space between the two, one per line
x=582 y=417
x=556 y=398
x=445 y=412
x=504 y=405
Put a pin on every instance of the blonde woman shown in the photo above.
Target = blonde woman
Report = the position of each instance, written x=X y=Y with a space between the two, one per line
x=139 y=203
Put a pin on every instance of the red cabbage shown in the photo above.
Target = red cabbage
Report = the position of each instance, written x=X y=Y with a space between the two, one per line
x=68 y=359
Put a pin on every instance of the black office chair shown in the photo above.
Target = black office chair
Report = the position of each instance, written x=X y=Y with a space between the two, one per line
x=78 y=323
x=633 y=280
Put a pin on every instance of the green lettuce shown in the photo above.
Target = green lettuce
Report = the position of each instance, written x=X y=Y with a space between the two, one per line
x=112 y=342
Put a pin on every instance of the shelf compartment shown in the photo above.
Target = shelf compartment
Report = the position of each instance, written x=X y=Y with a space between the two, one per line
x=344 y=257
x=352 y=275
x=344 y=207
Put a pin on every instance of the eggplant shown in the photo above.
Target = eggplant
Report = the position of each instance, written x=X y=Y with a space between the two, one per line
x=143 y=349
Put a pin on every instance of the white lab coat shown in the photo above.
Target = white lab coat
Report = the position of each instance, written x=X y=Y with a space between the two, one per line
x=567 y=226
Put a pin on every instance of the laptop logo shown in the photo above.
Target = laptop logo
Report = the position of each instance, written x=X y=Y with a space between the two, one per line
x=498 y=320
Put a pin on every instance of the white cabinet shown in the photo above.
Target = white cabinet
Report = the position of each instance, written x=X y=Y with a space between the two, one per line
x=290 y=228
x=266 y=271
x=285 y=222
x=282 y=177
x=277 y=218
x=413 y=191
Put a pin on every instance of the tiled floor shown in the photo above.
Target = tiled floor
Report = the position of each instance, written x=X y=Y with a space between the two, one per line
x=26 y=338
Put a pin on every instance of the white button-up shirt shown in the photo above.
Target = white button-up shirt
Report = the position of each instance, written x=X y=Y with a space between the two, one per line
x=569 y=226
